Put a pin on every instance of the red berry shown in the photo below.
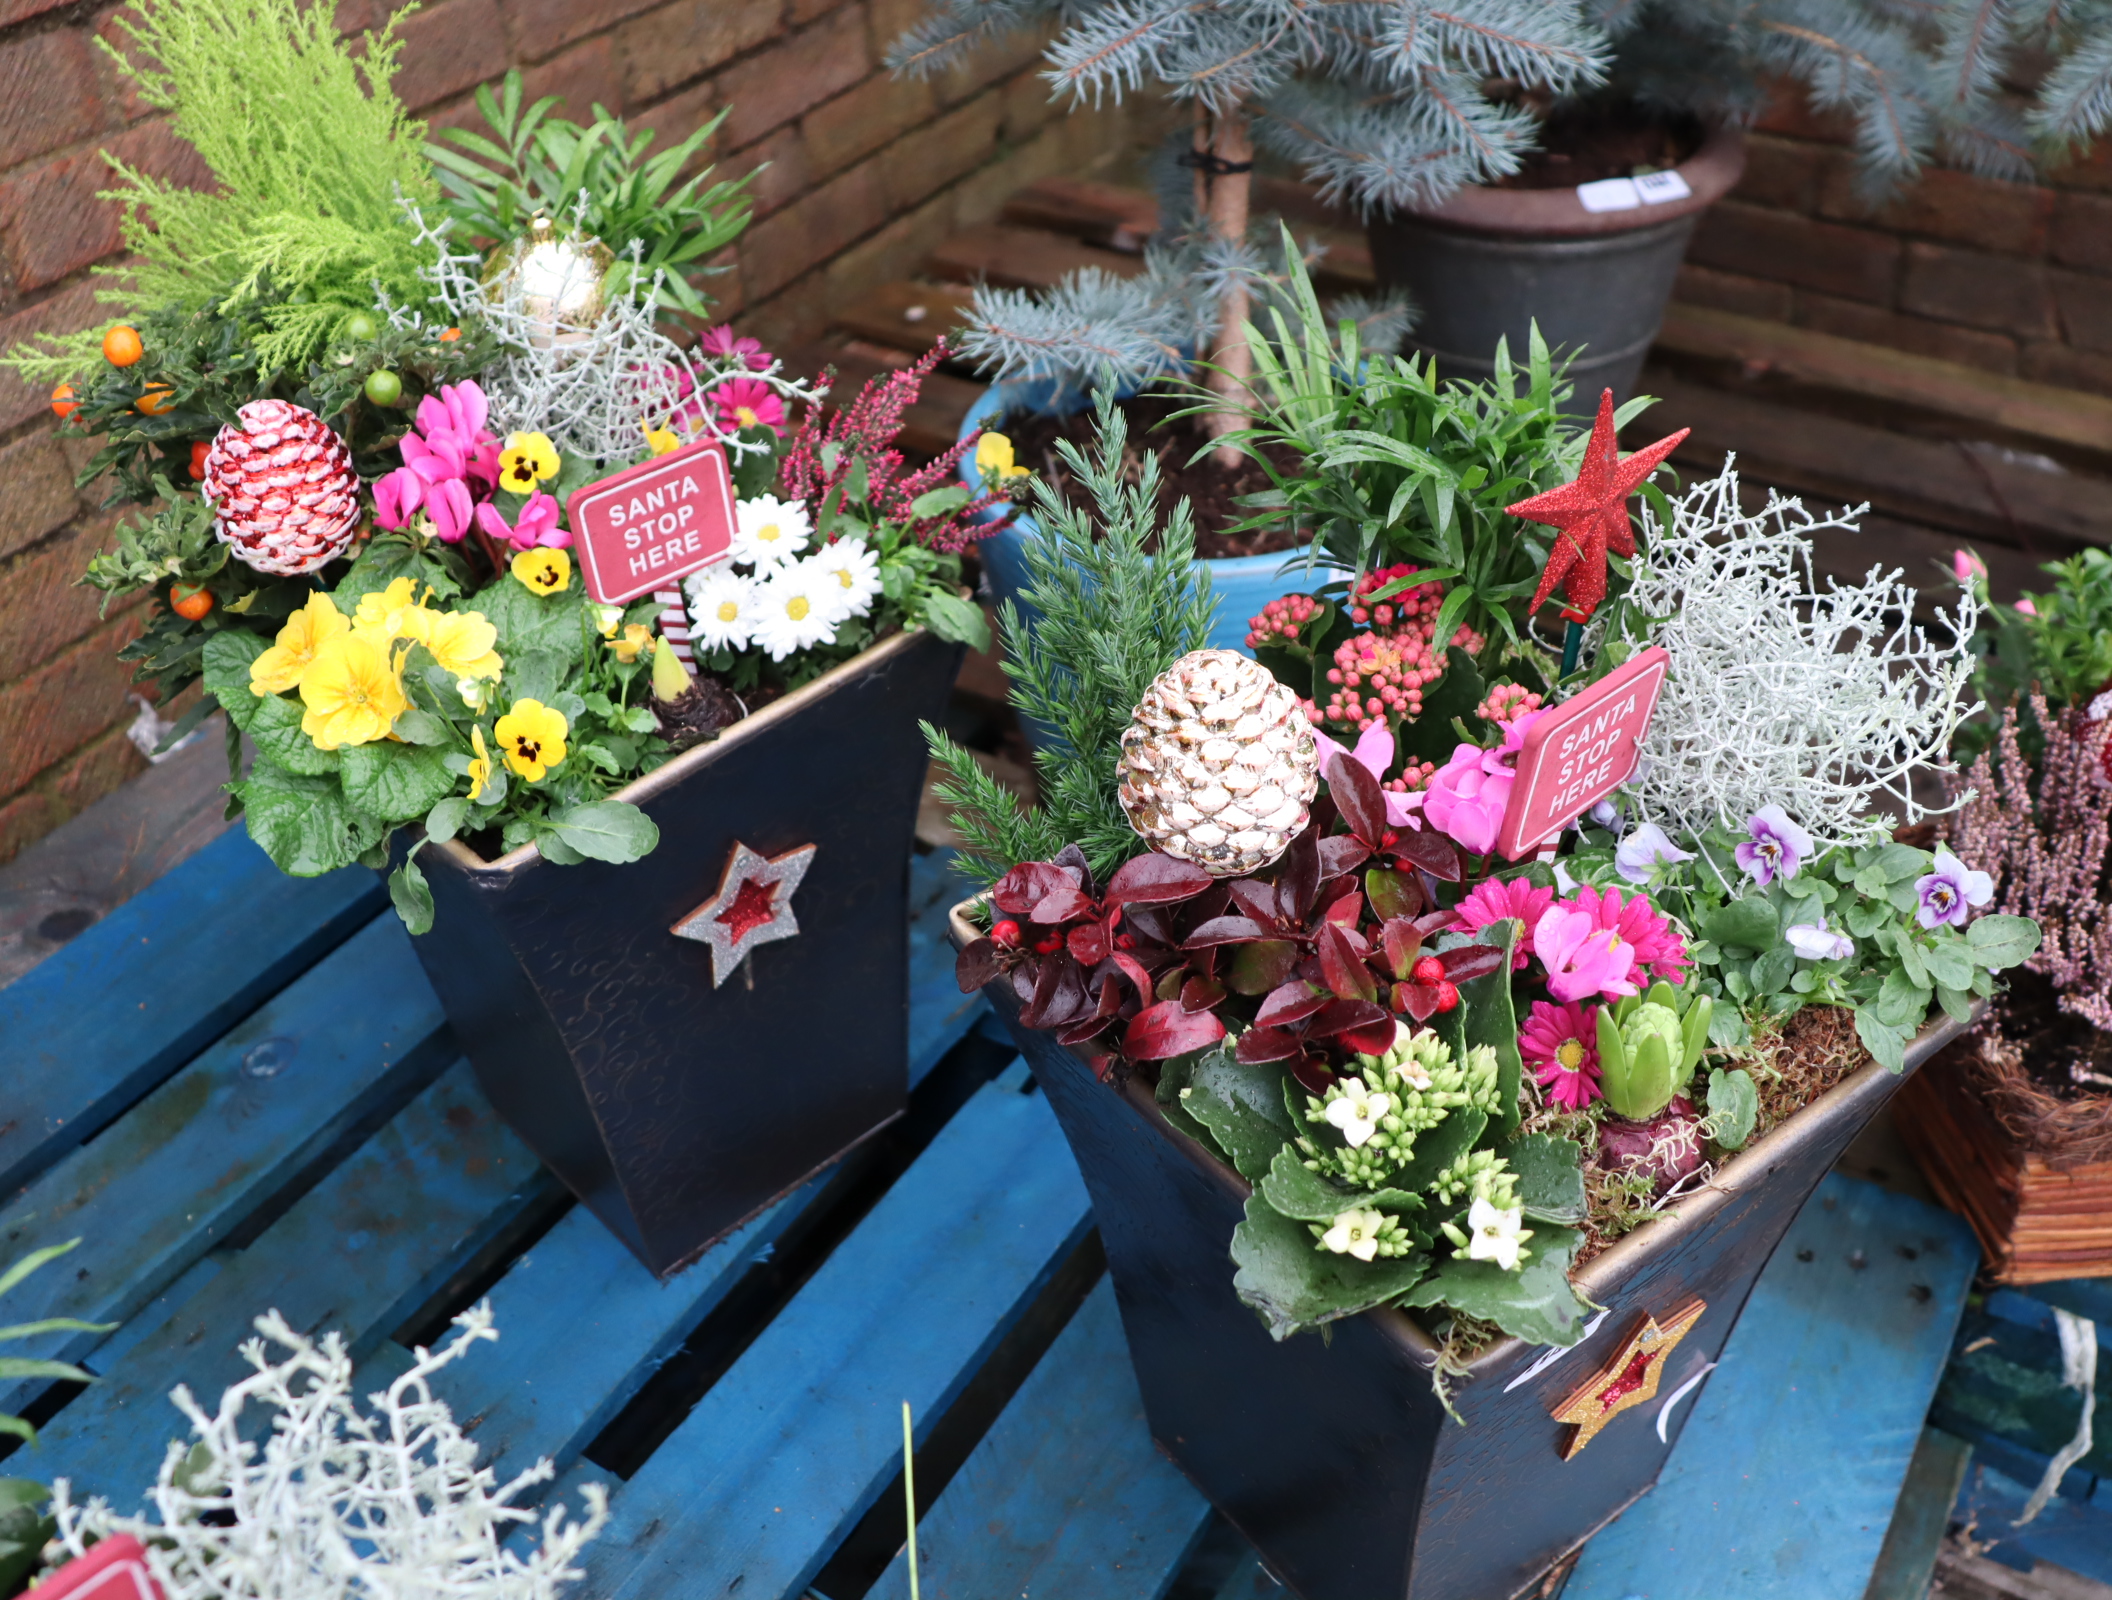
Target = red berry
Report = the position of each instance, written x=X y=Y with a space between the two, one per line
x=1429 y=970
x=1125 y=941
x=1005 y=933
x=1447 y=995
x=1050 y=945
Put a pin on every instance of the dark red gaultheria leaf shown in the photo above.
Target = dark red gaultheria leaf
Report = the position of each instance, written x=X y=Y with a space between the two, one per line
x=1346 y=911
x=1070 y=860
x=1357 y=941
x=1259 y=967
x=1155 y=879
x=975 y=966
x=1339 y=1016
x=1298 y=884
x=1089 y=944
x=1471 y=961
x=1079 y=1032
x=1358 y=797
x=1201 y=994
x=1136 y=972
x=1314 y=1075
x=1148 y=925
x=1062 y=905
x=1342 y=966
x=1419 y=1000
x=1293 y=1002
x=1340 y=853
x=1433 y=852
x=1165 y=1029
x=1402 y=945
x=1257 y=899
x=1021 y=889
x=1224 y=930
x=1257 y=1045
x=1168 y=984
x=1393 y=894
x=1435 y=922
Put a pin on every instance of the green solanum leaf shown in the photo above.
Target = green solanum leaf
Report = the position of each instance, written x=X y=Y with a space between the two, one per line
x=1535 y=1303
x=1243 y=1108
x=396 y=782
x=1997 y=942
x=607 y=830
x=1293 y=1283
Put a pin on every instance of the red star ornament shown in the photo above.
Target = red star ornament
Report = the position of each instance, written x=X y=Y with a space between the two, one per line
x=1592 y=514
x=753 y=906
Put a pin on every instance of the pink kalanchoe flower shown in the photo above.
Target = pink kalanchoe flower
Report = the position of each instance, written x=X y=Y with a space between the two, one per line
x=1658 y=950
x=1515 y=899
x=2024 y=605
x=1583 y=961
x=537 y=524
x=448 y=504
x=1374 y=753
x=720 y=341
x=748 y=403
x=1560 y=1044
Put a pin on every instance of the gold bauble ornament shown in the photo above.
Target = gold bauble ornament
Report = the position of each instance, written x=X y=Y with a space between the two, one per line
x=558 y=280
x=1218 y=764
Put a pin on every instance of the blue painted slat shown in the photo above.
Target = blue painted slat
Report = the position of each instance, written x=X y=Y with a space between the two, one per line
x=2076 y=1534
x=170 y=1179
x=1784 y=1479
x=939 y=1014
x=1066 y=1498
x=357 y=1254
x=1249 y=1582
x=759 y=1484
x=99 y=1022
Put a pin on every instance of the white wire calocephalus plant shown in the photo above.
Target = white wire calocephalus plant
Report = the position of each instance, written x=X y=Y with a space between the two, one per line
x=1782 y=693
x=388 y=1504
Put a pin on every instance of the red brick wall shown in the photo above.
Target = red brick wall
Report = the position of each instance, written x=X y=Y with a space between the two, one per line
x=865 y=175
x=2012 y=277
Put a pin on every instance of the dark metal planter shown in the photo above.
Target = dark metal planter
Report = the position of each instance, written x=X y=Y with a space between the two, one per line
x=676 y=1110
x=1333 y=1455
x=1488 y=262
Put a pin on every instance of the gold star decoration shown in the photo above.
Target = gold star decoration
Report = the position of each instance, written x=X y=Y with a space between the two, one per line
x=1628 y=1379
x=753 y=906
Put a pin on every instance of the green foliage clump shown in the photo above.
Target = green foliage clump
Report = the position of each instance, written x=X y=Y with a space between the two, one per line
x=1110 y=611
x=2061 y=648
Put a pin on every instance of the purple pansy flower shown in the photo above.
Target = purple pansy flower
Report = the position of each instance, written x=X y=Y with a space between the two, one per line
x=1645 y=850
x=1777 y=848
x=1814 y=941
x=1950 y=892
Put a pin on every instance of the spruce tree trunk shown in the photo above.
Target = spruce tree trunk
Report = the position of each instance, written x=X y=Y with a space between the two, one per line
x=1221 y=199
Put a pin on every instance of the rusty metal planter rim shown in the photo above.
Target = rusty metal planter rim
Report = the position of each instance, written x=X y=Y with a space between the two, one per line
x=1601 y=1277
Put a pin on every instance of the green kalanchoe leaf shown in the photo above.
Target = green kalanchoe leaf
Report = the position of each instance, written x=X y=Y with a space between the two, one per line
x=1242 y=1106
x=1535 y=1303
x=1293 y=1285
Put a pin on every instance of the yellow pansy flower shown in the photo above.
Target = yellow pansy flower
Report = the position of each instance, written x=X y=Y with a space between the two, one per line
x=993 y=458
x=662 y=440
x=307 y=631
x=543 y=570
x=532 y=738
x=352 y=693
x=461 y=642
x=480 y=764
x=527 y=460
x=636 y=637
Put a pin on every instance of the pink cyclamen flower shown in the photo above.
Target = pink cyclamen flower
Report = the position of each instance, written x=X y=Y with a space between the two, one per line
x=1500 y=899
x=1465 y=800
x=1374 y=753
x=748 y=403
x=1658 y=950
x=536 y=525
x=1965 y=566
x=720 y=341
x=397 y=496
x=448 y=504
x=1560 y=1044
x=1584 y=961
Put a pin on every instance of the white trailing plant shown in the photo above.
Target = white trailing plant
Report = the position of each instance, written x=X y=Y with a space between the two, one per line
x=387 y=1504
x=1780 y=692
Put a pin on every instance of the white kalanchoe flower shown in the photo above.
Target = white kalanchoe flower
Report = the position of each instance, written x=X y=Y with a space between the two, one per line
x=1496 y=1235
x=1357 y=1112
x=792 y=611
x=768 y=532
x=722 y=609
x=855 y=572
x=1355 y=1233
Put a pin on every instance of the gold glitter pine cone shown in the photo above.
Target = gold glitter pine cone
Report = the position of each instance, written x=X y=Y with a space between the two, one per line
x=1218 y=764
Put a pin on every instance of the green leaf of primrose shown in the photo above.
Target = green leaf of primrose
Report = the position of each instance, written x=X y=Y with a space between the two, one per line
x=607 y=830
x=275 y=729
x=1243 y=1108
x=1550 y=1176
x=396 y=782
x=1535 y=1303
x=412 y=897
x=304 y=823
x=1293 y=1283
x=421 y=727
x=1997 y=942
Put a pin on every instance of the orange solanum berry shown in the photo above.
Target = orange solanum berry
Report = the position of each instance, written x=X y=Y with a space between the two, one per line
x=158 y=398
x=199 y=450
x=63 y=402
x=190 y=600
x=122 y=346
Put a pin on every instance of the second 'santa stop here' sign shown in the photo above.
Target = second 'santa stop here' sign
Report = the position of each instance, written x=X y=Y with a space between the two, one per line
x=649 y=525
x=1580 y=752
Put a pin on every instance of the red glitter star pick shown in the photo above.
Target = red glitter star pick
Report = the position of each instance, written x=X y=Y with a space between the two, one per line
x=753 y=906
x=1592 y=514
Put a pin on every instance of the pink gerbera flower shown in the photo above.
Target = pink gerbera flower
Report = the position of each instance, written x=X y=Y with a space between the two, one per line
x=1559 y=1043
x=1496 y=899
x=748 y=403
x=1658 y=950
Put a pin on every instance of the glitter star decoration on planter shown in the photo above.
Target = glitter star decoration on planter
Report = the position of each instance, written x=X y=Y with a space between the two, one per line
x=1628 y=1379
x=753 y=906
x=1591 y=514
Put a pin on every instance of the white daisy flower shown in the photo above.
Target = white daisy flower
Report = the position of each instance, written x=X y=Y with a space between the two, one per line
x=854 y=574
x=769 y=532
x=722 y=610
x=792 y=610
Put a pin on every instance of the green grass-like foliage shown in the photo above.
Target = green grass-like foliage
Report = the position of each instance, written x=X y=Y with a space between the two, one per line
x=535 y=161
x=16 y=1367
x=310 y=151
x=1111 y=612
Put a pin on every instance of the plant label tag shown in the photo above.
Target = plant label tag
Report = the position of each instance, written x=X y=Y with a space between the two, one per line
x=1579 y=752
x=116 y=1569
x=1658 y=188
x=1609 y=194
x=647 y=526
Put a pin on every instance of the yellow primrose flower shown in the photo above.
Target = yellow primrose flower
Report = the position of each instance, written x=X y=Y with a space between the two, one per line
x=993 y=458
x=352 y=693
x=527 y=460
x=532 y=738
x=461 y=642
x=307 y=631
x=662 y=440
x=636 y=637
x=543 y=570
x=480 y=764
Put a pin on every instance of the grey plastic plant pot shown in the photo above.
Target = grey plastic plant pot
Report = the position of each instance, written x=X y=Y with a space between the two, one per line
x=1333 y=1456
x=1489 y=262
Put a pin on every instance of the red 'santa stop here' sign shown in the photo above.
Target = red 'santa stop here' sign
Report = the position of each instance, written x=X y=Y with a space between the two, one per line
x=649 y=525
x=1579 y=752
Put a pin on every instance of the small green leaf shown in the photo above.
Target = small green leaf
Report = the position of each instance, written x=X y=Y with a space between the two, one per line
x=2002 y=941
x=955 y=620
x=1535 y=1303
x=1901 y=1002
x=1887 y=1046
x=1750 y=922
x=1293 y=1283
x=1734 y=1107
x=607 y=830
x=1243 y=1107
x=421 y=727
x=445 y=820
x=937 y=502
x=412 y=897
